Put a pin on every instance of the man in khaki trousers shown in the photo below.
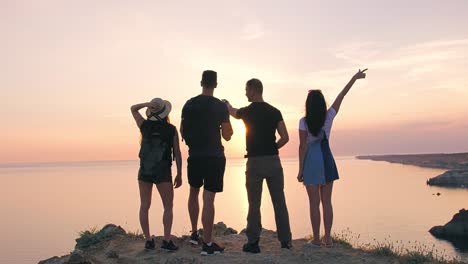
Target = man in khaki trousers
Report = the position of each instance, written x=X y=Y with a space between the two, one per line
x=262 y=121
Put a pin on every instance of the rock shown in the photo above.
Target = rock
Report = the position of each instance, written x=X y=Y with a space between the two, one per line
x=112 y=254
x=89 y=239
x=78 y=257
x=453 y=178
x=455 y=231
x=220 y=229
x=127 y=249
x=51 y=260
x=438 y=194
x=56 y=260
x=264 y=232
x=183 y=260
x=456 y=163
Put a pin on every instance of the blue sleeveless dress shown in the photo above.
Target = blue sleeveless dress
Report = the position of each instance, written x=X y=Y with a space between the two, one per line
x=319 y=164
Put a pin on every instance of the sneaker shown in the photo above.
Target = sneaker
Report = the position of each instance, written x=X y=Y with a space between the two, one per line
x=286 y=244
x=251 y=247
x=149 y=244
x=169 y=246
x=210 y=250
x=194 y=238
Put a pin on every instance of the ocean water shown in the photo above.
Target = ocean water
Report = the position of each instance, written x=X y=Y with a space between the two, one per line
x=45 y=206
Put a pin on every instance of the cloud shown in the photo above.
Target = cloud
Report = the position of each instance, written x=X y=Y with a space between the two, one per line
x=357 y=52
x=429 y=124
x=423 y=62
x=401 y=66
x=252 y=31
x=439 y=44
x=419 y=57
x=424 y=69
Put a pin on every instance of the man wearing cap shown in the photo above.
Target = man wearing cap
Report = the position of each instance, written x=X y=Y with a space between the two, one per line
x=204 y=120
x=262 y=121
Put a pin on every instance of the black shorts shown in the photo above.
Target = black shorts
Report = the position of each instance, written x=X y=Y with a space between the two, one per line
x=206 y=171
x=156 y=178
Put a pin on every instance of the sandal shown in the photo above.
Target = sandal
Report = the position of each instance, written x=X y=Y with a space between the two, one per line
x=313 y=244
x=327 y=245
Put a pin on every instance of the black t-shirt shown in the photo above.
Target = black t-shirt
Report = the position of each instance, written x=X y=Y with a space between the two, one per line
x=261 y=120
x=209 y=113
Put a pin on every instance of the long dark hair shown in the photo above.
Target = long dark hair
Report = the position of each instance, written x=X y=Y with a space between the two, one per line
x=316 y=111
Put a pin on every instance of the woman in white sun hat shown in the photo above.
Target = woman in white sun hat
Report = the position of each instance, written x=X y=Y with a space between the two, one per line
x=159 y=145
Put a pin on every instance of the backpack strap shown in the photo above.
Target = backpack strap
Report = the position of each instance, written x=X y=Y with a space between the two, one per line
x=324 y=134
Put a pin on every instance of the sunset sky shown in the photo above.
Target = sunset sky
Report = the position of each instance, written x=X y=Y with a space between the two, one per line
x=70 y=70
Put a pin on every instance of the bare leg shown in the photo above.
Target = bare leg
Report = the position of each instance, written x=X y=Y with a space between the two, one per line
x=314 y=202
x=167 y=196
x=145 y=203
x=208 y=215
x=325 y=193
x=194 y=207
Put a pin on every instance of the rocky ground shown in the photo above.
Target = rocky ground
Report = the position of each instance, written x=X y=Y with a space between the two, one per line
x=113 y=245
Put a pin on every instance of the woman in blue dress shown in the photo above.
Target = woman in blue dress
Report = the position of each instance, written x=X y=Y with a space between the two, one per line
x=317 y=169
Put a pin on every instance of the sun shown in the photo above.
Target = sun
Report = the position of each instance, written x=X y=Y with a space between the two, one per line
x=240 y=128
x=236 y=146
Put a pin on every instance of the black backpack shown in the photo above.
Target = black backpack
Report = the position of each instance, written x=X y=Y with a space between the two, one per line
x=156 y=148
x=195 y=122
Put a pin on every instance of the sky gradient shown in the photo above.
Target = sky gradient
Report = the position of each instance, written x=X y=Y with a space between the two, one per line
x=70 y=70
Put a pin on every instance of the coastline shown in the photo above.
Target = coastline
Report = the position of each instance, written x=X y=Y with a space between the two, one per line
x=455 y=164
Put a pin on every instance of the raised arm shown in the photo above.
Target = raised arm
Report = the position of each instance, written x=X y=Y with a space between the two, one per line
x=283 y=133
x=339 y=99
x=136 y=115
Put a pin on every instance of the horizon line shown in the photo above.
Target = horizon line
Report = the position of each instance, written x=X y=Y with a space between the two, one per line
x=58 y=163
